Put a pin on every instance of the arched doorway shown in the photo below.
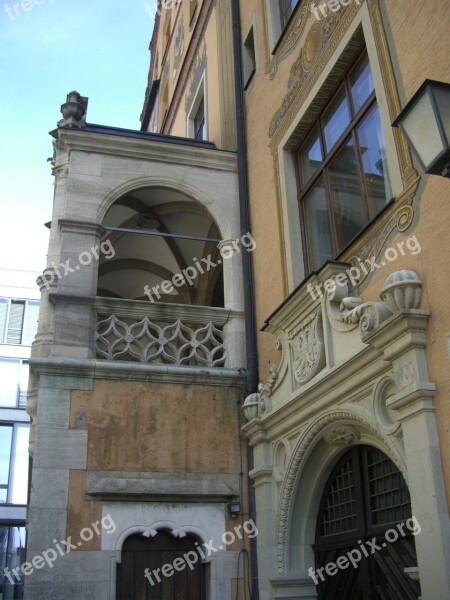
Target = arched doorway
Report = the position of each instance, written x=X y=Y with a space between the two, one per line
x=140 y=575
x=364 y=504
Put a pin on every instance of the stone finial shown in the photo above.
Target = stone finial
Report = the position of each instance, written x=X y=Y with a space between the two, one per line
x=250 y=407
x=402 y=291
x=74 y=111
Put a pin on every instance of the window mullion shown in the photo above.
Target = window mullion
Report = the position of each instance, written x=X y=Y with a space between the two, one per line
x=361 y=173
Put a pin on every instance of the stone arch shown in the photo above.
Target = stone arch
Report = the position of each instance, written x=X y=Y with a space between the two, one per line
x=172 y=184
x=309 y=467
x=175 y=529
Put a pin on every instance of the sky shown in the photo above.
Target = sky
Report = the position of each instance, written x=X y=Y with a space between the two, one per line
x=97 y=47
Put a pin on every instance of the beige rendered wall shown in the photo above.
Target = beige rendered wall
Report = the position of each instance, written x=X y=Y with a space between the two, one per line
x=151 y=427
x=419 y=46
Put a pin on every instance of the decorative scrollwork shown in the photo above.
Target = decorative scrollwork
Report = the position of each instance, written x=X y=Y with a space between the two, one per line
x=147 y=342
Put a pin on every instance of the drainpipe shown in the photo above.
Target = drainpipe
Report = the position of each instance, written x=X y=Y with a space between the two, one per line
x=249 y=306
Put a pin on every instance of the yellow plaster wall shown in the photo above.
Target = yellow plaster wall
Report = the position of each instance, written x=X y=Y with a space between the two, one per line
x=134 y=426
x=417 y=34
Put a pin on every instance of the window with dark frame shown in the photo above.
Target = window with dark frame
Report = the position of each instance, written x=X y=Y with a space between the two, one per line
x=342 y=171
x=286 y=9
x=199 y=121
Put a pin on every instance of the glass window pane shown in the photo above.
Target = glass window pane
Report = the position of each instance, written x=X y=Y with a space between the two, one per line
x=336 y=119
x=9 y=382
x=287 y=8
x=19 y=467
x=317 y=226
x=310 y=156
x=23 y=384
x=30 y=324
x=15 y=557
x=15 y=323
x=362 y=83
x=373 y=154
x=347 y=196
x=199 y=122
x=3 y=312
x=6 y=432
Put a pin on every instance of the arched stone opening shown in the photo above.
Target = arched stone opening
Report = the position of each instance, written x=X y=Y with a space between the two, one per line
x=169 y=253
x=162 y=565
x=310 y=466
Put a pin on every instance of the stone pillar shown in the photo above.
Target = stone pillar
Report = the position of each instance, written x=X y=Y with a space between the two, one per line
x=261 y=475
x=230 y=251
x=402 y=341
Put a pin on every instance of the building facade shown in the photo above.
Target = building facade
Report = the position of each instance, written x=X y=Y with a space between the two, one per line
x=18 y=323
x=267 y=218
x=350 y=426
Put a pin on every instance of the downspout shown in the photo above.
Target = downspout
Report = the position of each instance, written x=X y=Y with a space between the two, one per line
x=249 y=306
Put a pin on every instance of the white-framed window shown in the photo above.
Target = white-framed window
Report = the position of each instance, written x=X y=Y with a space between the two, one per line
x=13 y=382
x=197 y=117
x=14 y=460
x=18 y=321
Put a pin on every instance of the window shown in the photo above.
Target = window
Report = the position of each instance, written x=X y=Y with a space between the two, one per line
x=286 y=10
x=249 y=57
x=13 y=383
x=18 y=321
x=199 y=121
x=14 y=463
x=342 y=171
x=12 y=555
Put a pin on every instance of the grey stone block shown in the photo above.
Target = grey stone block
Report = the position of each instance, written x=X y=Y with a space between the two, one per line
x=49 y=488
x=66 y=590
x=45 y=525
x=53 y=408
x=60 y=448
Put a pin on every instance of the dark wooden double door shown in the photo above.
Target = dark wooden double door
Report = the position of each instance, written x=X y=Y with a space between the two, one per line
x=365 y=497
x=140 y=553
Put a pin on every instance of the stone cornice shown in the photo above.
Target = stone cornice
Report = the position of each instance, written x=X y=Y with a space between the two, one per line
x=146 y=149
x=72 y=226
x=333 y=388
x=156 y=310
x=186 y=487
x=400 y=333
x=120 y=370
x=300 y=301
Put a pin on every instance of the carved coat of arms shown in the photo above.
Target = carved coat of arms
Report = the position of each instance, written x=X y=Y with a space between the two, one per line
x=307 y=348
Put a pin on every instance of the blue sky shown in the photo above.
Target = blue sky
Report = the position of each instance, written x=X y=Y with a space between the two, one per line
x=97 y=47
